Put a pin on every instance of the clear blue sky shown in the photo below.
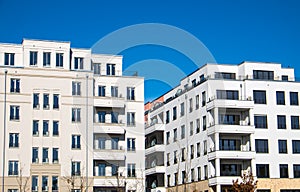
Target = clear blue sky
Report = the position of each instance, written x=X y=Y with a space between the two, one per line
x=233 y=30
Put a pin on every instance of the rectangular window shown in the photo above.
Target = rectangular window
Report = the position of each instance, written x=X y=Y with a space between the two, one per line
x=205 y=172
x=55 y=155
x=59 y=59
x=78 y=63
x=280 y=99
x=76 y=88
x=175 y=157
x=168 y=180
x=175 y=179
x=75 y=168
x=175 y=135
x=13 y=167
x=198 y=150
x=45 y=128
x=101 y=91
x=229 y=119
x=97 y=68
x=191 y=105
x=203 y=98
x=191 y=128
x=259 y=97
x=54 y=183
x=35 y=127
x=199 y=173
x=183 y=154
x=192 y=151
x=130 y=119
x=114 y=91
x=228 y=94
x=9 y=59
x=131 y=93
x=167 y=117
x=205 y=147
x=34 y=183
x=114 y=170
x=296 y=146
x=230 y=144
x=261 y=121
x=168 y=137
x=76 y=142
x=285 y=78
x=168 y=159
x=14 y=112
x=56 y=101
x=102 y=141
x=183 y=177
x=282 y=146
x=202 y=78
x=76 y=115
x=101 y=168
x=262 y=170
x=14 y=140
x=114 y=117
x=204 y=123
x=197 y=102
x=15 y=85
x=46 y=59
x=261 y=146
x=33 y=55
x=131 y=170
x=44 y=183
x=295 y=122
x=36 y=102
x=131 y=144
x=115 y=143
x=110 y=69
x=263 y=75
x=284 y=170
x=46 y=101
x=182 y=131
x=174 y=113
x=294 y=98
x=45 y=155
x=281 y=122
x=197 y=125
x=181 y=109
x=35 y=155
x=223 y=75
x=296 y=168
x=101 y=116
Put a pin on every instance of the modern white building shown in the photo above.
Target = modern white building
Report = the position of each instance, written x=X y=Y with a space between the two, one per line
x=222 y=121
x=70 y=121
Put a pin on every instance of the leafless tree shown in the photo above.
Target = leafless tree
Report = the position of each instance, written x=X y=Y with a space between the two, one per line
x=22 y=181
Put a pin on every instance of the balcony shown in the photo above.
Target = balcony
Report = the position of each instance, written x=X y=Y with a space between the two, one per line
x=115 y=102
x=109 y=181
x=222 y=180
x=110 y=154
x=155 y=169
x=231 y=155
x=155 y=127
x=109 y=128
x=226 y=103
x=242 y=128
x=155 y=148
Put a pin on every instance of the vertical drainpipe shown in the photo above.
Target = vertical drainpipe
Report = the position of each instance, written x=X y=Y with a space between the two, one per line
x=4 y=130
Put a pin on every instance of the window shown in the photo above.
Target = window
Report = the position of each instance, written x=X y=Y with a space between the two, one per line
x=114 y=170
x=175 y=157
x=260 y=121
x=33 y=55
x=115 y=143
x=181 y=109
x=101 y=91
x=205 y=172
x=13 y=167
x=101 y=116
x=229 y=119
x=167 y=117
x=76 y=88
x=114 y=91
x=76 y=115
x=261 y=146
x=227 y=94
x=97 y=68
x=59 y=59
x=191 y=105
x=294 y=98
x=75 y=142
x=284 y=171
x=296 y=168
x=174 y=113
x=204 y=123
x=281 y=122
x=75 y=168
x=55 y=128
x=46 y=101
x=9 y=59
x=183 y=154
x=34 y=183
x=198 y=149
x=15 y=85
x=168 y=159
x=36 y=103
x=262 y=170
x=285 y=78
x=198 y=125
x=131 y=170
x=14 y=112
x=183 y=177
x=131 y=93
x=230 y=144
x=175 y=179
x=35 y=128
x=55 y=101
x=130 y=119
x=114 y=117
x=280 y=98
x=194 y=83
x=45 y=155
x=101 y=168
x=205 y=147
x=191 y=128
x=203 y=98
x=296 y=146
x=35 y=155
x=55 y=155
x=192 y=151
x=45 y=183
x=295 y=122
x=263 y=75
x=175 y=135
x=45 y=128
x=182 y=131
x=259 y=97
x=282 y=146
x=202 y=78
x=131 y=144
x=13 y=190
x=199 y=173
x=230 y=169
x=78 y=63
x=168 y=180
x=223 y=75
x=46 y=59
x=110 y=69
x=102 y=141
x=197 y=102
x=168 y=137
x=55 y=183
x=14 y=140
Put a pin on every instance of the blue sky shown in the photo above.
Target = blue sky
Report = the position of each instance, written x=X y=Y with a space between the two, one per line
x=233 y=30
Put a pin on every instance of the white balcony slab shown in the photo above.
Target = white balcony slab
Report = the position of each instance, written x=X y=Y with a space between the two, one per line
x=156 y=169
x=155 y=127
x=109 y=128
x=155 y=148
x=231 y=155
x=108 y=154
x=225 y=103
x=115 y=102
x=241 y=129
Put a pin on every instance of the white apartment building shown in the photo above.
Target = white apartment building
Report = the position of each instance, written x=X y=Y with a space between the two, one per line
x=70 y=121
x=223 y=121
